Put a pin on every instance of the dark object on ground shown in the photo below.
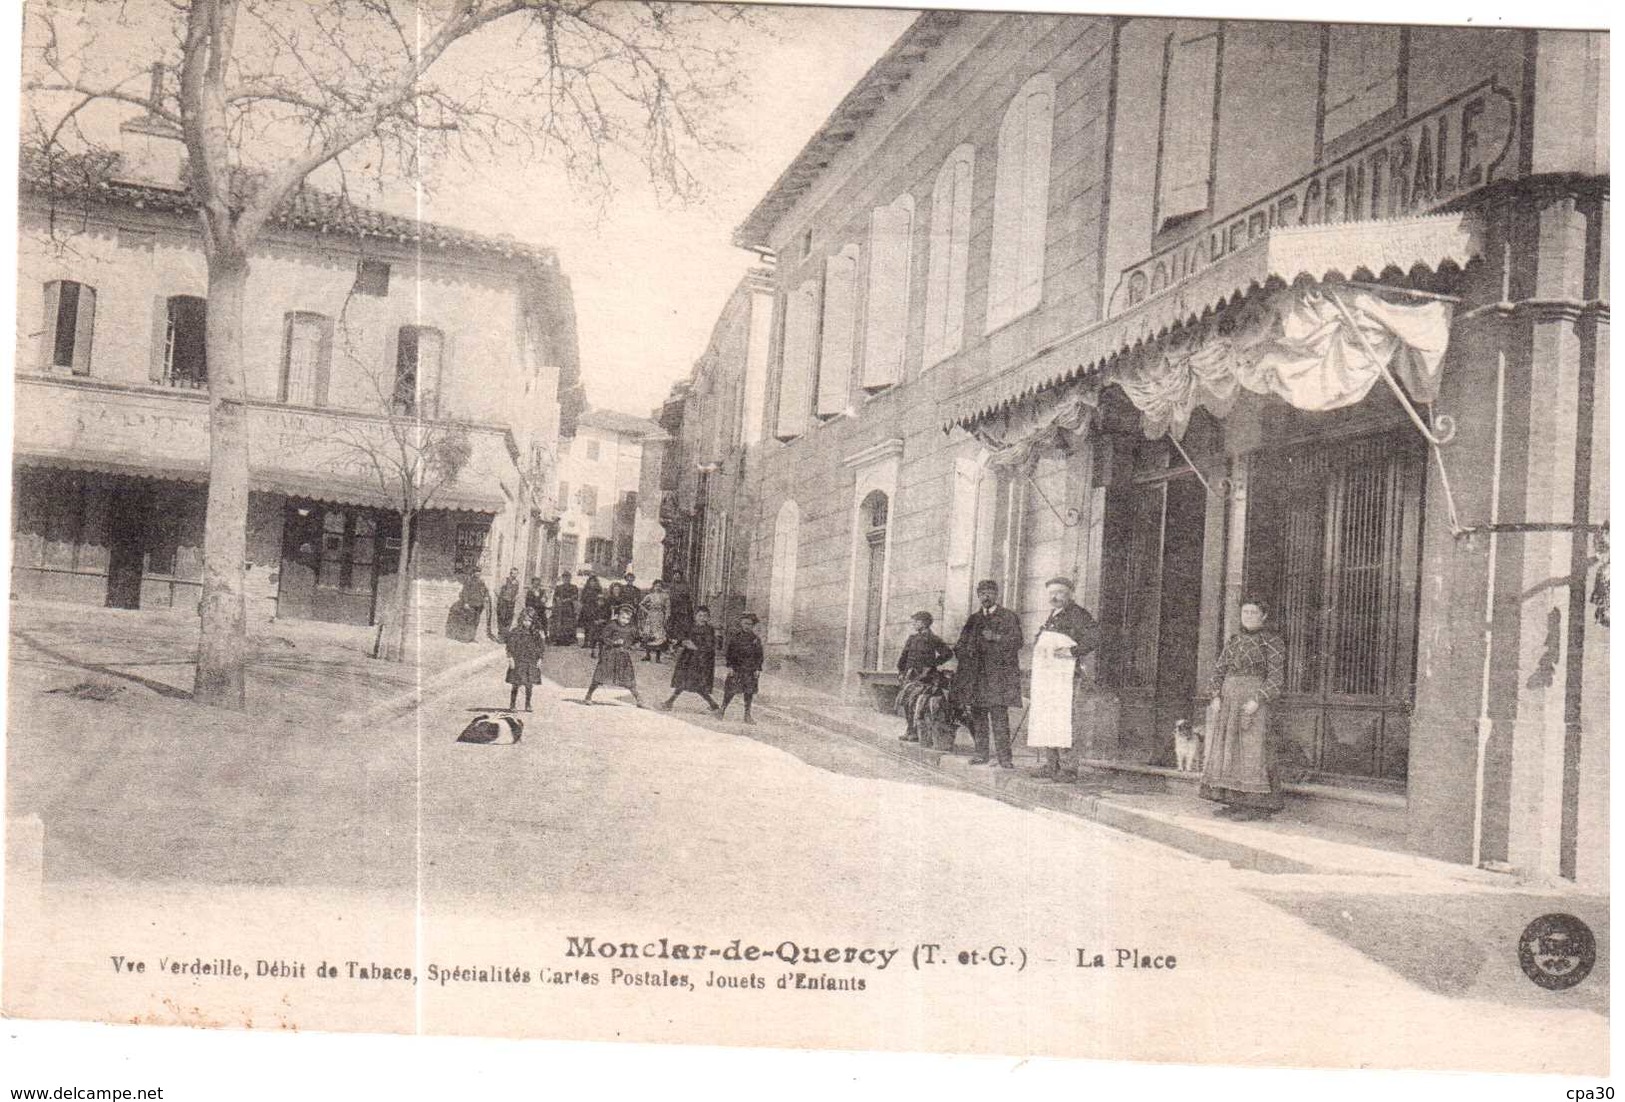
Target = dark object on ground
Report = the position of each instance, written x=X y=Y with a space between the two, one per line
x=489 y=730
x=91 y=690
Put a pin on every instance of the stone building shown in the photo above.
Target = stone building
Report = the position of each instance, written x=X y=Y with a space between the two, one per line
x=1194 y=309
x=355 y=322
x=598 y=491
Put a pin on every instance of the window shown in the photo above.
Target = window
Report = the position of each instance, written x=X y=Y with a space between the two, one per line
x=307 y=353
x=564 y=495
x=70 y=319
x=950 y=256
x=418 y=353
x=349 y=549
x=891 y=234
x=1363 y=76
x=372 y=278
x=798 y=356
x=592 y=451
x=840 y=316
x=587 y=499
x=185 y=349
x=781 y=603
x=600 y=554
x=469 y=550
x=1190 y=81
x=1021 y=203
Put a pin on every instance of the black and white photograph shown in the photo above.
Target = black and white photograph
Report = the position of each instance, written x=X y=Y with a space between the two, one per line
x=965 y=532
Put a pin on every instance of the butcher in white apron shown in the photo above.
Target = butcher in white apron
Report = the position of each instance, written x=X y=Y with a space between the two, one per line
x=1066 y=640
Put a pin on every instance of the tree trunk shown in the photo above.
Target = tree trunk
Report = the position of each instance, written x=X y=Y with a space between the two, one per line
x=403 y=590
x=222 y=652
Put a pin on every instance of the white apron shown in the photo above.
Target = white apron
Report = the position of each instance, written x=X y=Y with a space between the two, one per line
x=1049 y=717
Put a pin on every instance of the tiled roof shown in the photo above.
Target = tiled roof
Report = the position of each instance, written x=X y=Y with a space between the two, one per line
x=92 y=178
x=882 y=80
x=614 y=421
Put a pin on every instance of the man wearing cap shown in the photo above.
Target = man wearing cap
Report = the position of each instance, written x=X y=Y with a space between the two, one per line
x=988 y=681
x=1060 y=649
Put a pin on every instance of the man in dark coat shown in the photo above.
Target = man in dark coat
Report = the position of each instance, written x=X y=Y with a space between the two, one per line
x=681 y=615
x=507 y=601
x=744 y=657
x=1070 y=619
x=988 y=681
x=695 y=670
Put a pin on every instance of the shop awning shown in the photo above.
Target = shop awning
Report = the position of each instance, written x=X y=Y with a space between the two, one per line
x=1278 y=258
x=112 y=463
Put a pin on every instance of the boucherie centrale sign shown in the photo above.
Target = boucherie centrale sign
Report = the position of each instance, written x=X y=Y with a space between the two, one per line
x=1432 y=159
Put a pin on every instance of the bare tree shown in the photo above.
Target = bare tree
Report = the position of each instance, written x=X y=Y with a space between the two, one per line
x=270 y=92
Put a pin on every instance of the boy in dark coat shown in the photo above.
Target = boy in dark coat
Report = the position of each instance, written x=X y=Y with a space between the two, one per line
x=922 y=654
x=696 y=668
x=744 y=658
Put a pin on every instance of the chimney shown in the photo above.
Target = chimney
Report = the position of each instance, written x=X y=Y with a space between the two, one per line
x=151 y=151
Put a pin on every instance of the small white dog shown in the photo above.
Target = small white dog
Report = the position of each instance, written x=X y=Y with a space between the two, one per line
x=1188 y=746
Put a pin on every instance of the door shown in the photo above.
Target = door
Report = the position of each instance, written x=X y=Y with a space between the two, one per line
x=873 y=512
x=1333 y=534
x=1154 y=530
x=127 y=517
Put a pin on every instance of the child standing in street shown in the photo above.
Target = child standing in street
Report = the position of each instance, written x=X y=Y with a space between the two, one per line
x=525 y=648
x=744 y=658
x=614 y=666
x=922 y=654
x=695 y=670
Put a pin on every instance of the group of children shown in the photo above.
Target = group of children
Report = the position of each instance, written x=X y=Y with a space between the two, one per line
x=693 y=672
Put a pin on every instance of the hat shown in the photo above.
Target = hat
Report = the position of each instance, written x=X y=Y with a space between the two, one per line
x=749 y=618
x=926 y=616
x=987 y=583
x=624 y=608
x=1060 y=580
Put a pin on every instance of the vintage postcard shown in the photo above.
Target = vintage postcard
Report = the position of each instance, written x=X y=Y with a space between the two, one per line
x=1047 y=534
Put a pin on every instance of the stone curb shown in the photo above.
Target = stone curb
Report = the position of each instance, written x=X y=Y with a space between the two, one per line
x=1014 y=788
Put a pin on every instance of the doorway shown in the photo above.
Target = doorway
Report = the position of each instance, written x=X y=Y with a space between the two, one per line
x=873 y=513
x=127 y=514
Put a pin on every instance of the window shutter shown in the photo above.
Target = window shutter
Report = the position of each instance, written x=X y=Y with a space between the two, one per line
x=160 y=339
x=796 y=361
x=434 y=349
x=1187 y=135
x=53 y=300
x=886 y=320
x=84 y=329
x=324 y=363
x=1035 y=165
x=392 y=369
x=950 y=255
x=840 y=313
x=300 y=359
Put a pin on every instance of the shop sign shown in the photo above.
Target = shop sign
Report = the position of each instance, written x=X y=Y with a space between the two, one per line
x=1435 y=158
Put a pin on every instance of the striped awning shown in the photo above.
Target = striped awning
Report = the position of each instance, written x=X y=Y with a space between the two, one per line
x=1279 y=257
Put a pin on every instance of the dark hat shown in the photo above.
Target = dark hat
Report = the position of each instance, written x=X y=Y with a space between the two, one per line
x=1061 y=580
x=749 y=618
x=705 y=609
x=987 y=583
x=925 y=616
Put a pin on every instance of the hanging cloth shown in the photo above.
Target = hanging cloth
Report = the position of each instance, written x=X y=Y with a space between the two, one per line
x=1018 y=435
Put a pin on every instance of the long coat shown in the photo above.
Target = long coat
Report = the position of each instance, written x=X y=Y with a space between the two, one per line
x=696 y=669
x=989 y=673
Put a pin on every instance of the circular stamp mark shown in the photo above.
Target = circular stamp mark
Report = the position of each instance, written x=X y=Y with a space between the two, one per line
x=1557 y=951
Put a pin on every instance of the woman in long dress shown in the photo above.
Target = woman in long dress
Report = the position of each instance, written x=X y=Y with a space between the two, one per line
x=565 y=607
x=656 y=608
x=1249 y=676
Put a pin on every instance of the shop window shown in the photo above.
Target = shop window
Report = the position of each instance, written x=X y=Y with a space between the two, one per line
x=950 y=256
x=70 y=321
x=372 y=278
x=1364 y=76
x=840 y=316
x=797 y=361
x=1190 y=83
x=891 y=252
x=418 y=354
x=469 y=548
x=1021 y=203
x=349 y=550
x=1333 y=537
x=306 y=359
x=186 y=347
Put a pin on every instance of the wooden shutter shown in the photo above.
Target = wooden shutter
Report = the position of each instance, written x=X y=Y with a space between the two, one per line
x=84 y=329
x=392 y=371
x=840 y=315
x=1038 y=125
x=1190 y=85
x=324 y=363
x=157 y=369
x=431 y=370
x=301 y=358
x=891 y=231
x=53 y=303
x=797 y=361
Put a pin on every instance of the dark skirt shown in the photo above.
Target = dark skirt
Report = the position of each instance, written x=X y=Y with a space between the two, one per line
x=463 y=622
x=615 y=668
x=694 y=671
x=740 y=683
x=563 y=627
x=1240 y=767
x=524 y=673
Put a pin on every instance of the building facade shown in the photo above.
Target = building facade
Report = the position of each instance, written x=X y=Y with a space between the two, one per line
x=359 y=343
x=708 y=510
x=1192 y=310
x=597 y=490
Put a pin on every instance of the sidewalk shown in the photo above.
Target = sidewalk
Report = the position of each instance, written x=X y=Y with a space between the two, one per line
x=1155 y=804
